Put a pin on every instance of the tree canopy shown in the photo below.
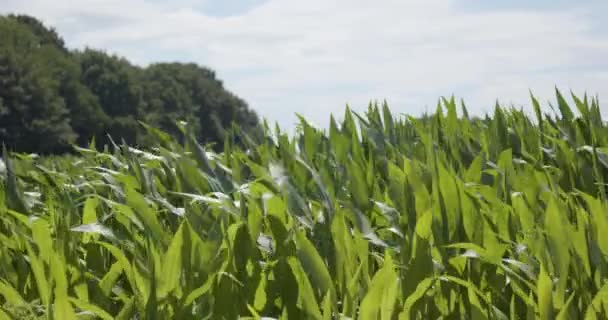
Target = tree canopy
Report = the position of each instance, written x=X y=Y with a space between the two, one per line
x=52 y=97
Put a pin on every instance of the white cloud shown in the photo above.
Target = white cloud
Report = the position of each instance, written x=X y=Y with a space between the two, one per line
x=312 y=57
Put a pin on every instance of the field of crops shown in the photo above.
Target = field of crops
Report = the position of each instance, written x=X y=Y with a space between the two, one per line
x=381 y=216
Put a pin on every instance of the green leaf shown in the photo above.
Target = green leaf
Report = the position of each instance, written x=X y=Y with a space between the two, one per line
x=41 y=233
x=544 y=290
x=11 y=295
x=421 y=289
x=89 y=214
x=200 y=291
x=381 y=298
x=260 y=299
x=556 y=228
x=306 y=296
x=358 y=186
x=563 y=313
x=314 y=266
x=327 y=306
x=424 y=225
x=146 y=214
x=109 y=279
x=4 y=315
x=172 y=263
x=62 y=307
x=85 y=306
x=122 y=262
x=128 y=310
x=564 y=109
x=39 y=274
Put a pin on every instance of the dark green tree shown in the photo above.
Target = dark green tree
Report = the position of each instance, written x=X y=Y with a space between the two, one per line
x=167 y=99
x=44 y=35
x=52 y=97
x=189 y=92
x=114 y=83
x=33 y=116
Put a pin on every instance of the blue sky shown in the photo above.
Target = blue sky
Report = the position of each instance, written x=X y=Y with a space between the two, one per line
x=228 y=8
x=313 y=57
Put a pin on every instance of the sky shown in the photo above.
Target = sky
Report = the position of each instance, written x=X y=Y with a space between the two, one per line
x=314 y=57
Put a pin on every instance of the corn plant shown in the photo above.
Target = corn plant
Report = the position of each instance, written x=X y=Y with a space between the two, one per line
x=445 y=216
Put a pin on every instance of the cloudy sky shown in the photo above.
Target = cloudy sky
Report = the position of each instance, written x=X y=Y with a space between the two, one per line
x=313 y=57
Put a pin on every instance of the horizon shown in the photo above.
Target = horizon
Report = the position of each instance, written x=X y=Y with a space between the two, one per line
x=286 y=58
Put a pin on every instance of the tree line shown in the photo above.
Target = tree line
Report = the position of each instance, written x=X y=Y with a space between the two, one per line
x=52 y=97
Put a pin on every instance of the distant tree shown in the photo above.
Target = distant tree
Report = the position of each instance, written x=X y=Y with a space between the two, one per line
x=114 y=83
x=167 y=99
x=192 y=93
x=44 y=35
x=87 y=117
x=33 y=116
x=52 y=97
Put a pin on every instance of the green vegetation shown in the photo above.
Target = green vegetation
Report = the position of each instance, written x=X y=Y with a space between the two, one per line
x=443 y=217
x=51 y=97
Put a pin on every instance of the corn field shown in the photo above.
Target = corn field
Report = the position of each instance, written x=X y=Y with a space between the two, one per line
x=380 y=216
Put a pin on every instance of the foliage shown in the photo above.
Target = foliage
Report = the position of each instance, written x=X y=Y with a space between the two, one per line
x=176 y=91
x=378 y=218
x=51 y=97
x=30 y=107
